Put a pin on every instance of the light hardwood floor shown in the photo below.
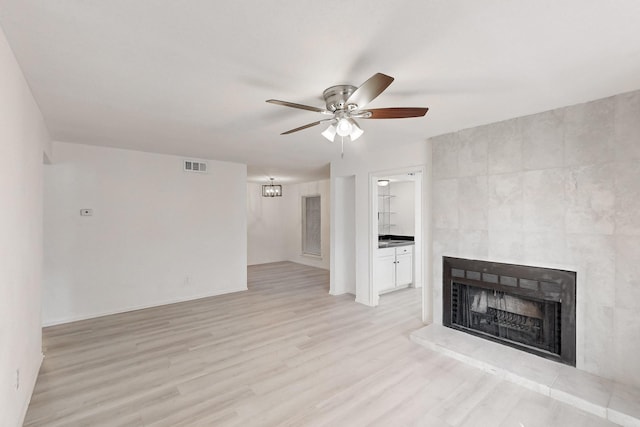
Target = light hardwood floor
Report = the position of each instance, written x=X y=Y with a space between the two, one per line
x=283 y=353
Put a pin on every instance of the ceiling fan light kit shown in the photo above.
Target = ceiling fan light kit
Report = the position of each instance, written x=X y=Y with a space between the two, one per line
x=345 y=103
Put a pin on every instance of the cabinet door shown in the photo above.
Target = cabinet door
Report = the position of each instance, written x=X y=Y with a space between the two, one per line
x=385 y=271
x=404 y=269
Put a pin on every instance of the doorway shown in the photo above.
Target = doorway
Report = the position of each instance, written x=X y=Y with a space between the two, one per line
x=397 y=232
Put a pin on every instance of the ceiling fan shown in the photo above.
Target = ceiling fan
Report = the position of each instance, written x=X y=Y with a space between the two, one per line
x=345 y=103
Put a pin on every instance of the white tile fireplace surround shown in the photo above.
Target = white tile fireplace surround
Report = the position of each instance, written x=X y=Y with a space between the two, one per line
x=559 y=189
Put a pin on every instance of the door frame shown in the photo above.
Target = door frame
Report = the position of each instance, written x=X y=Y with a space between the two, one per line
x=420 y=232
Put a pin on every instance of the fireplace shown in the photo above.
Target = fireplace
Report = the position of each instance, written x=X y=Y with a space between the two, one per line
x=529 y=308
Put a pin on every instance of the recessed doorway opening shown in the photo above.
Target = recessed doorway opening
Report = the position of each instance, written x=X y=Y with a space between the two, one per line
x=396 y=236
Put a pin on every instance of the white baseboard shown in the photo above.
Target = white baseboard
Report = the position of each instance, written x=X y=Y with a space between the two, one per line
x=359 y=301
x=335 y=294
x=140 y=307
x=310 y=261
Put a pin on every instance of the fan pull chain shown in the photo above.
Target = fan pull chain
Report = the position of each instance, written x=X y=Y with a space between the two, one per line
x=342 y=147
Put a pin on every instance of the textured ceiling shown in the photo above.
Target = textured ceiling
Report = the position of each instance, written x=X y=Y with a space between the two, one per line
x=190 y=77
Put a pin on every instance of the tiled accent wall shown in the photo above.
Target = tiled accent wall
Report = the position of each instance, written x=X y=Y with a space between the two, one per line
x=558 y=189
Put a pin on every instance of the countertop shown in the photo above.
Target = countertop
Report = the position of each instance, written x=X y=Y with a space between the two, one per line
x=394 y=243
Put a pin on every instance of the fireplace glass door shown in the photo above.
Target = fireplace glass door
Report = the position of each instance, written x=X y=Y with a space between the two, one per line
x=527 y=321
x=526 y=307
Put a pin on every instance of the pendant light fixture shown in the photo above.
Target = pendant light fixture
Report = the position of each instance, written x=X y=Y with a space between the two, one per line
x=271 y=190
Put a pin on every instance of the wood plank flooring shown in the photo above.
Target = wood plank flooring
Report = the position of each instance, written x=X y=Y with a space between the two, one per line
x=283 y=353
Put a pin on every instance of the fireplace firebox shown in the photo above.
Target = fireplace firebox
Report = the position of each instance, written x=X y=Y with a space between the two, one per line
x=529 y=308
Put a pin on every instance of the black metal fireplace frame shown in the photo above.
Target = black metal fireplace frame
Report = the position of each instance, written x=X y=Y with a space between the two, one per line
x=530 y=282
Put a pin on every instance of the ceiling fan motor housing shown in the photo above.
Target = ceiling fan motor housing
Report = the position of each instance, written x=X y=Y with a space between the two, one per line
x=336 y=97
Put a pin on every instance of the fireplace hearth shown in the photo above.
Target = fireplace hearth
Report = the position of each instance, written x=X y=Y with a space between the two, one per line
x=529 y=308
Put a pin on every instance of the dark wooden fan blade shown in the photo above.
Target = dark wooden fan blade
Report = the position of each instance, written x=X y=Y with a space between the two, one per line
x=306 y=126
x=370 y=89
x=294 y=105
x=395 y=113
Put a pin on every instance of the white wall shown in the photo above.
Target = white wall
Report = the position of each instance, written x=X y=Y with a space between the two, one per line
x=403 y=204
x=343 y=236
x=275 y=224
x=559 y=189
x=361 y=164
x=23 y=139
x=157 y=235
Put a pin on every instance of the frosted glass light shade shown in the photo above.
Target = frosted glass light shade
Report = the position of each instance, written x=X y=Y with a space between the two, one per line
x=344 y=127
x=330 y=133
x=356 y=131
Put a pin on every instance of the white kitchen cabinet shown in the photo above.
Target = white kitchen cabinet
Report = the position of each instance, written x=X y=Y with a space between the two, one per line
x=385 y=269
x=393 y=268
x=404 y=269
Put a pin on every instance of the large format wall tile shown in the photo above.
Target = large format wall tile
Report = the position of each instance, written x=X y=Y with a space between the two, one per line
x=506 y=246
x=545 y=248
x=445 y=242
x=472 y=203
x=445 y=203
x=506 y=202
x=445 y=156
x=628 y=272
x=594 y=257
x=473 y=244
x=544 y=200
x=472 y=152
x=505 y=147
x=588 y=136
x=627 y=195
x=590 y=199
x=599 y=341
x=627 y=126
x=626 y=326
x=543 y=140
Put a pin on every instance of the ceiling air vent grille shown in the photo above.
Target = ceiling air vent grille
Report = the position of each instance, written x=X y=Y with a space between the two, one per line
x=195 y=166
